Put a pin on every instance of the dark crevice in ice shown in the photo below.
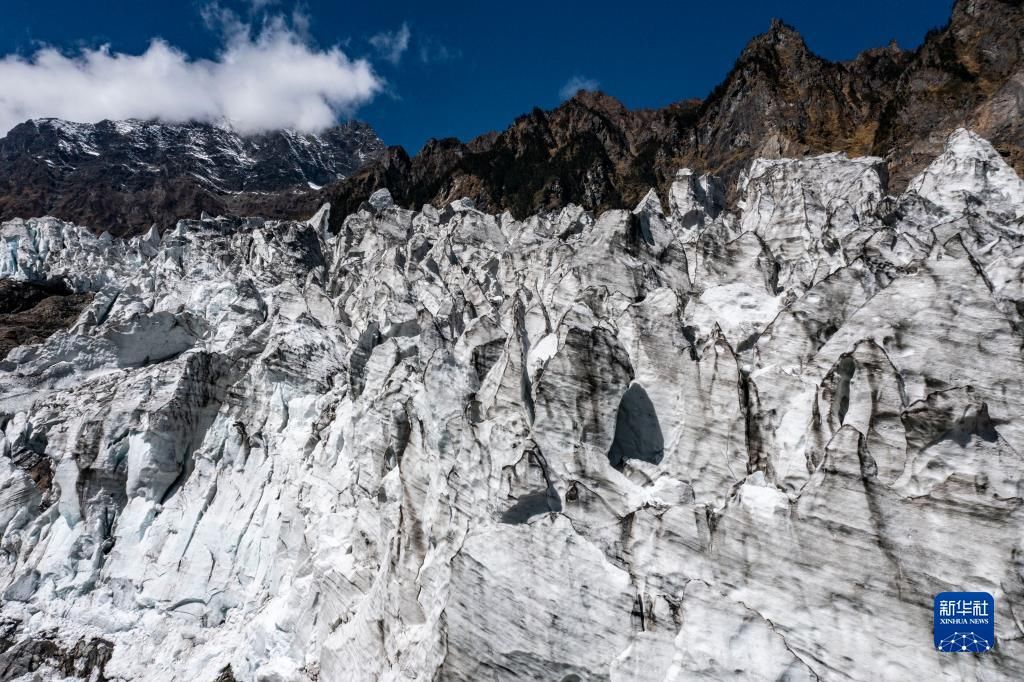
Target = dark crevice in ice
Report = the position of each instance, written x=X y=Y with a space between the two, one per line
x=845 y=369
x=637 y=430
x=485 y=355
x=368 y=340
x=537 y=502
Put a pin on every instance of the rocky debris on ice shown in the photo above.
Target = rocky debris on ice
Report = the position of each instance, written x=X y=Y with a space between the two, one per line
x=655 y=444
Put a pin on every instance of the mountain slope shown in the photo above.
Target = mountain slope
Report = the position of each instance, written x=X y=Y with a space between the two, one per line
x=125 y=175
x=779 y=99
x=971 y=72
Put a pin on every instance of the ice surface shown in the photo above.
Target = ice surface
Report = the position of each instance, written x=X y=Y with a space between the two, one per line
x=401 y=451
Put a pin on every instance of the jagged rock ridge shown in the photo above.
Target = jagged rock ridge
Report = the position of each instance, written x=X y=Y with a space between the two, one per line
x=778 y=100
x=665 y=443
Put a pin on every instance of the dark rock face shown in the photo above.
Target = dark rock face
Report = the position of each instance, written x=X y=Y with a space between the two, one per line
x=970 y=72
x=30 y=312
x=123 y=176
x=591 y=151
x=226 y=675
x=86 y=659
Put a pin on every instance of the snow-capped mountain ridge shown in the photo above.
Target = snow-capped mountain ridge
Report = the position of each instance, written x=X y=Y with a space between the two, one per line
x=213 y=153
x=645 y=445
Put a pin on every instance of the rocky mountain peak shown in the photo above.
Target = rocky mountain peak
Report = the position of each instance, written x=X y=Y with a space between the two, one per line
x=596 y=100
x=780 y=37
x=778 y=55
x=894 y=57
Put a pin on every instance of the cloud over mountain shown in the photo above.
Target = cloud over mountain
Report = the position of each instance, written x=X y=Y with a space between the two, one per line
x=273 y=77
x=575 y=84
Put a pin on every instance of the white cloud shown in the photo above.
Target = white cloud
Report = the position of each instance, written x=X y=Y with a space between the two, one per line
x=435 y=52
x=391 y=45
x=266 y=79
x=575 y=84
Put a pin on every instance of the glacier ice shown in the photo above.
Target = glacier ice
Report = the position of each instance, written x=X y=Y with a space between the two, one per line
x=650 y=445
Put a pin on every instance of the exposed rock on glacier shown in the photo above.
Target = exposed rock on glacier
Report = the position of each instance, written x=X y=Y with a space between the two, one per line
x=31 y=311
x=656 y=444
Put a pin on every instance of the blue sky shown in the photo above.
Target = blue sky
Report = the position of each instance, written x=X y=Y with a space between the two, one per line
x=439 y=69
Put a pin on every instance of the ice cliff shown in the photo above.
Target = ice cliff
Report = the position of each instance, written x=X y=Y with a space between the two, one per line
x=660 y=444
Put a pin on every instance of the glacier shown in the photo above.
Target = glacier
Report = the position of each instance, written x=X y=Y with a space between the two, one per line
x=684 y=441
